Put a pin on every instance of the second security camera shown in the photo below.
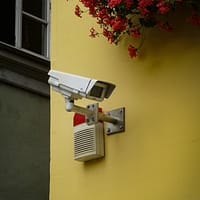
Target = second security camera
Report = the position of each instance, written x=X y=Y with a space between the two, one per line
x=75 y=87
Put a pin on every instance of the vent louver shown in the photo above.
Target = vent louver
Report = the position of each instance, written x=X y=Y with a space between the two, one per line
x=88 y=142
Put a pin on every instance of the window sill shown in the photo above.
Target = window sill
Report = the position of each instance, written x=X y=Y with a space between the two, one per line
x=24 y=69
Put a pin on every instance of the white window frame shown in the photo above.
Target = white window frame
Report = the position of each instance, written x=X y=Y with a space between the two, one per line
x=46 y=22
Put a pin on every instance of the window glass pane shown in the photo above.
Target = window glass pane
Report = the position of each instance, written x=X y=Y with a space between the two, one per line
x=35 y=7
x=7 y=21
x=33 y=34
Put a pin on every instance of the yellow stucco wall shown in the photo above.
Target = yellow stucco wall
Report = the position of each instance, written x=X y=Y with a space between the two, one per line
x=158 y=157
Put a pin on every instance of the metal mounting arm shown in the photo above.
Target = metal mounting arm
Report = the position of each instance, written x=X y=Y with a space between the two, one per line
x=71 y=107
x=114 y=119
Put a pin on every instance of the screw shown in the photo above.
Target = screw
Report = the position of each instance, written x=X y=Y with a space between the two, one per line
x=121 y=127
x=108 y=130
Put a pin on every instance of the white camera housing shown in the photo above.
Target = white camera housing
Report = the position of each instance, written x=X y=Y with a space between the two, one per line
x=75 y=87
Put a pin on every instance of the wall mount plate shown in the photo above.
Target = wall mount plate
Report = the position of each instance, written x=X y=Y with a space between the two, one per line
x=114 y=120
x=119 y=127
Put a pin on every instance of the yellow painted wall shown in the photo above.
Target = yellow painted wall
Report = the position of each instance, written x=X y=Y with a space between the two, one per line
x=158 y=157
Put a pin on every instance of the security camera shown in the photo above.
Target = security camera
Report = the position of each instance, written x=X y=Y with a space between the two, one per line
x=75 y=87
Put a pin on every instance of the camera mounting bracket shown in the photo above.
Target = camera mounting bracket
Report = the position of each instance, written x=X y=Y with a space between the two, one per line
x=114 y=119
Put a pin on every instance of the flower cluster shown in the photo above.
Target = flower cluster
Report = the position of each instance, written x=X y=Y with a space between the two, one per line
x=131 y=17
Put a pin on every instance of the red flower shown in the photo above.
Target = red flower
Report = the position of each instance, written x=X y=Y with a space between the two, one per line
x=78 y=11
x=135 y=32
x=163 y=7
x=119 y=24
x=108 y=35
x=121 y=17
x=91 y=4
x=128 y=3
x=132 y=51
x=165 y=26
x=194 y=19
x=143 y=6
x=113 y=3
x=93 y=33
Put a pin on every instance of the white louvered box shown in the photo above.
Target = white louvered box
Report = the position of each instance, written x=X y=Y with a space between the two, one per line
x=88 y=141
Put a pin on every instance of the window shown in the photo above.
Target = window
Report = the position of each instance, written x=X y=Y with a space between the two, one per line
x=25 y=25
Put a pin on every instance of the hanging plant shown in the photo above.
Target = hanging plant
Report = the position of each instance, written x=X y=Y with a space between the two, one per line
x=119 y=17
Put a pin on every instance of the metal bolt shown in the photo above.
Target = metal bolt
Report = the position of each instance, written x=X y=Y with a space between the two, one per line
x=108 y=130
x=121 y=127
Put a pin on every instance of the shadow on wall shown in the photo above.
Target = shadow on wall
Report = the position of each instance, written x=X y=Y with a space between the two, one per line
x=166 y=110
x=181 y=41
x=161 y=45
